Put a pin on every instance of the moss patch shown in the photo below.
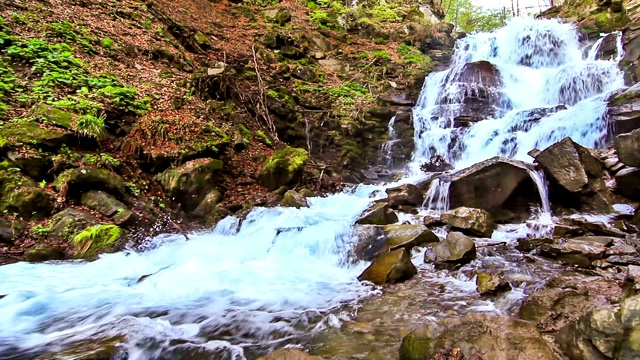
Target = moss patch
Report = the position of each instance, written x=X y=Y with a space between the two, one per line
x=283 y=168
x=96 y=240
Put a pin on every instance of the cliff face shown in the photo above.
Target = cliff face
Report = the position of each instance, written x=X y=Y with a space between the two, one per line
x=175 y=108
x=597 y=15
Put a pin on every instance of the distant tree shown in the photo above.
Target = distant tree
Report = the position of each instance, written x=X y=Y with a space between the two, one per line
x=468 y=17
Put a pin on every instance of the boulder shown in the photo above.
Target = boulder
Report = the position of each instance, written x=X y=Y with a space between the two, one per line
x=69 y=222
x=593 y=336
x=393 y=237
x=457 y=248
x=623 y=109
x=498 y=185
x=96 y=240
x=283 y=168
x=32 y=163
x=21 y=196
x=436 y=163
x=627 y=181
x=74 y=182
x=491 y=284
x=189 y=183
x=378 y=214
x=470 y=221
x=294 y=199
x=36 y=135
x=628 y=148
x=108 y=206
x=208 y=205
x=11 y=230
x=580 y=251
x=290 y=354
x=42 y=252
x=480 y=336
x=569 y=164
x=389 y=268
x=407 y=194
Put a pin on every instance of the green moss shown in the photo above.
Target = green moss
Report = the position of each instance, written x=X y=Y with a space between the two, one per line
x=609 y=22
x=96 y=240
x=283 y=168
x=414 y=348
x=263 y=138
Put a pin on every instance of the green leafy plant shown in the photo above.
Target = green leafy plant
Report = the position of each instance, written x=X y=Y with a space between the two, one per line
x=40 y=230
x=91 y=125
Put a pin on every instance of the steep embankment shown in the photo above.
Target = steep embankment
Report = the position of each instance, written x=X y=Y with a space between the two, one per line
x=119 y=115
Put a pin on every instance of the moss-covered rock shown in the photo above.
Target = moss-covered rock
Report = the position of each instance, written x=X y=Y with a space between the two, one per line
x=294 y=199
x=33 y=163
x=53 y=115
x=79 y=180
x=283 y=168
x=39 y=136
x=378 y=214
x=69 y=222
x=189 y=183
x=108 y=206
x=390 y=268
x=43 y=252
x=11 y=230
x=96 y=240
x=21 y=196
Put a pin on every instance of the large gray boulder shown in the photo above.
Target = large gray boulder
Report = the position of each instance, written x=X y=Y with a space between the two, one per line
x=478 y=336
x=407 y=194
x=377 y=240
x=580 y=251
x=389 y=268
x=627 y=181
x=628 y=148
x=623 y=110
x=497 y=185
x=378 y=214
x=470 y=221
x=189 y=183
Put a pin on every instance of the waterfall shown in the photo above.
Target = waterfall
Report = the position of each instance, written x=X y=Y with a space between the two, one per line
x=387 y=146
x=521 y=87
x=274 y=277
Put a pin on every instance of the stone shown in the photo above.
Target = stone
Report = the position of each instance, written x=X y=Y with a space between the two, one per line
x=580 y=251
x=436 y=163
x=69 y=222
x=278 y=16
x=11 y=230
x=469 y=220
x=378 y=214
x=97 y=239
x=334 y=65
x=633 y=275
x=290 y=354
x=628 y=148
x=498 y=185
x=491 y=284
x=407 y=194
x=207 y=206
x=74 y=182
x=623 y=110
x=32 y=163
x=393 y=237
x=21 y=196
x=569 y=164
x=457 y=248
x=304 y=73
x=593 y=336
x=627 y=181
x=527 y=245
x=36 y=135
x=188 y=184
x=389 y=268
x=43 y=252
x=283 y=168
x=293 y=199
x=108 y=206
x=477 y=336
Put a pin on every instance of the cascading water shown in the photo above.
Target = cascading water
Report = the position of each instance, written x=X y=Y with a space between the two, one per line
x=273 y=278
x=524 y=86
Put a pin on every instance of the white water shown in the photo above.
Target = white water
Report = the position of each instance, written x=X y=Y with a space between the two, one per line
x=541 y=65
x=276 y=278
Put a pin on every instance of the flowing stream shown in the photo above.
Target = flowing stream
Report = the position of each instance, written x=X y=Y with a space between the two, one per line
x=282 y=275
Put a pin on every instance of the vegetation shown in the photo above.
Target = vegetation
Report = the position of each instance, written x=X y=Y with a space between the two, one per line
x=468 y=17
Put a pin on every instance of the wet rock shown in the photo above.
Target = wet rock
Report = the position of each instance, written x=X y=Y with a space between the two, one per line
x=633 y=275
x=379 y=240
x=74 y=182
x=580 y=251
x=69 y=222
x=11 y=230
x=457 y=248
x=436 y=163
x=283 y=168
x=290 y=354
x=627 y=181
x=378 y=214
x=594 y=227
x=477 y=336
x=395 y=98
x=554 y=308
x=108 y=206
x=628 y=148
x=593 y=336
x=569 y=164
x=389 y=268
x=491 y=284
x=188 y=184
x=43 y=252
x=293 y=199
x=498 y=185
x=207 y=206
x=470 y=221
x=407 y=194
x=527 y=245
x=623 y=110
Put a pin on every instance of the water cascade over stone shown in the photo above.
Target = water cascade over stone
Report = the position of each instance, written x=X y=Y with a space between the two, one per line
x=522 y=87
